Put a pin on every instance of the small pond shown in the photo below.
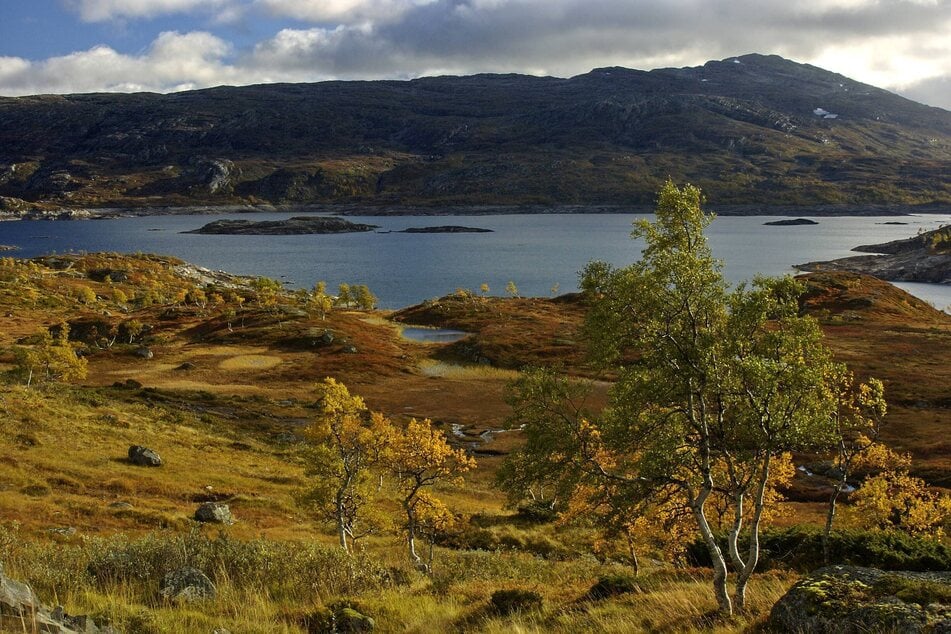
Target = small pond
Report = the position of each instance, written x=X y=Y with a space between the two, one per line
x=433 y=335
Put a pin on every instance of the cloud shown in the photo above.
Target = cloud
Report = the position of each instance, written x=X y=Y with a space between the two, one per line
x=104 y=10
x=935 y=91
x=342 y=11
x=895 y=44
x=174 y=61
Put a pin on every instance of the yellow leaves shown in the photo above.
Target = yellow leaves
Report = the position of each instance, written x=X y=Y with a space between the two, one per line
x=421 y=450
x=895 y=499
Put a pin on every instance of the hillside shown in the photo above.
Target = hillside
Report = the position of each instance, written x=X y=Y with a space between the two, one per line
x=754 y=130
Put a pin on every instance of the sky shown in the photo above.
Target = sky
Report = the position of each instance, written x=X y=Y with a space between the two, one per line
x=65 y=46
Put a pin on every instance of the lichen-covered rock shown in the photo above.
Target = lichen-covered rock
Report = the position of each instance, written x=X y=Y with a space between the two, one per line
x=853 y=600
x=214 y=513
x=187 y=584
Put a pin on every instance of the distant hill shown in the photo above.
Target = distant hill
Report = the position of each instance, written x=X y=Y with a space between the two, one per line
x=752 y=130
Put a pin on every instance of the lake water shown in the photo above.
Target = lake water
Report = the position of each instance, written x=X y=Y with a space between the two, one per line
x=538 y=252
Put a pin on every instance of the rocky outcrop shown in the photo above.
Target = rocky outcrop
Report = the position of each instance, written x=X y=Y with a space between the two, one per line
x=214 y=513
x=19 y=605
x=446 y=229
x=188 y=585
x=212 y=176
x=922 y=258
x=144 y=457
x=853 y=600
x=793 y=222
x=299 y=225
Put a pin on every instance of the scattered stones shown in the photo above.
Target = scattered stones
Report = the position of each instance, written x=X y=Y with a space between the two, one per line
x=144 y=457
x=350 y=349
x=852 y=599
x=188 y=585
x=214 y=513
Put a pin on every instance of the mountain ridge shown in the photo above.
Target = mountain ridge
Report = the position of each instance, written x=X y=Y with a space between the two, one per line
x=750 y=130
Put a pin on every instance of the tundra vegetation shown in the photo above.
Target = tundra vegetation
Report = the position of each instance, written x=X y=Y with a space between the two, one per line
x=529 y=489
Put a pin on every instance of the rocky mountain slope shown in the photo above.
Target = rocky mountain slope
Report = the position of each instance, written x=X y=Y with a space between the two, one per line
x=750 y=130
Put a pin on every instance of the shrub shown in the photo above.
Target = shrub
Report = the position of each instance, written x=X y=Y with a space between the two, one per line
x=538 y=512
x=800 y=548
x=612 y=585
x=511 y=601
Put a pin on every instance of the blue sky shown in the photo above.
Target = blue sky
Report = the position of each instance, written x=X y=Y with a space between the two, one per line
x=61 y=46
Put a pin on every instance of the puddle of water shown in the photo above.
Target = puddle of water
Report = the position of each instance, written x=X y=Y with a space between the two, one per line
x=433 y=335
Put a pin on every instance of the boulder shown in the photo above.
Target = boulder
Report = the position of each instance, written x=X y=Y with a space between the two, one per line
x=214 y=513
x=19 y=605
x=853 y=600
x=144 y=457
x=349 y=620
x=144 y=353
x=16 y=598
x=187 y=584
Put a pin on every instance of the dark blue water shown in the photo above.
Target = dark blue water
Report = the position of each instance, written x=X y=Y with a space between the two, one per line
x=538 y=252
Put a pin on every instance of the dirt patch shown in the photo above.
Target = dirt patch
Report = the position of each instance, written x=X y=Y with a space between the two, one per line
x=250 y=362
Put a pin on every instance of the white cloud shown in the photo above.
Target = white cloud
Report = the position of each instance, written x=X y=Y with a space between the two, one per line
x=174 y=61
x=103 y=10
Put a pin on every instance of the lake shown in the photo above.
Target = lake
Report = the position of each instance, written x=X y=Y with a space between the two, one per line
x=542 y=253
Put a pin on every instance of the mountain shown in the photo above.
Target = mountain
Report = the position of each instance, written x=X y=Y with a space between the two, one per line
x=752 y=130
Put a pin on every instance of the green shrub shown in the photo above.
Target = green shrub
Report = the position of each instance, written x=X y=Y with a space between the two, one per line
x=538 y=512
x=800 y=548
x=612 y=585
x=514 y=600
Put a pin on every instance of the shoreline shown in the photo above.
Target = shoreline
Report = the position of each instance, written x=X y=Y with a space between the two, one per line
x=371 y=210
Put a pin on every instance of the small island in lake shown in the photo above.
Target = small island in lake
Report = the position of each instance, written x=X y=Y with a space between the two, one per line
x=8 y=247
x=794 y=222
x=925 y=257
x=299 y=225
x=446 y=229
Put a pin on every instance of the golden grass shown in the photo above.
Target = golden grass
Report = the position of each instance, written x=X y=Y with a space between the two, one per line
x=250 y=362
x=433 y=368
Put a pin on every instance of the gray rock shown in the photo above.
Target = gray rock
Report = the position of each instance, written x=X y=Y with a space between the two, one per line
x=187 y=584
x=19 y=605
x=144 y=353
x=17 y=598
x=854 y=600
x=144 y=457
x=214 y=513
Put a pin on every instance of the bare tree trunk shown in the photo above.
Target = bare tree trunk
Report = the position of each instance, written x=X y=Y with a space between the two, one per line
x=341 y=524
x=635 y=563
x=830 y=517
x=411 y=536
x=716 y=555
x=752 y=558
